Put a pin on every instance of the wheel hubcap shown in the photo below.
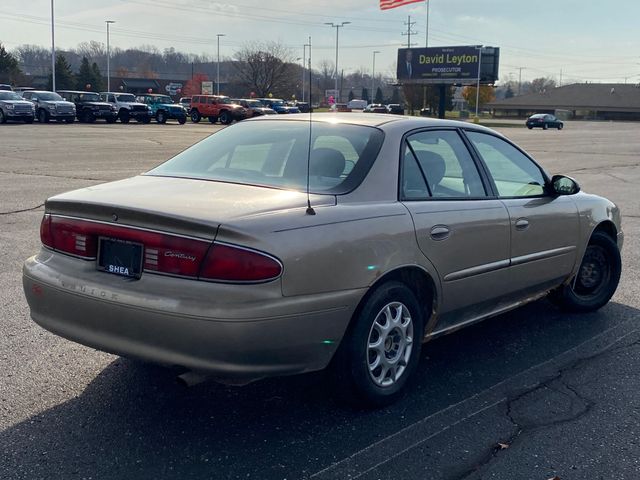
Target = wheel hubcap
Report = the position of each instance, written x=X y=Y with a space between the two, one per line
x=594 y=272
x=390 y=344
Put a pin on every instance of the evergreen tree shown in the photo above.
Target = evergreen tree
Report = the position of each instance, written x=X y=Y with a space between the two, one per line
x=379 y=96
x=509 y=93
x=351 y=95
x=365 y=94
x=395 y=97
x=9 y=70
x=65 y=79
x=98 y=80
x=85 y=76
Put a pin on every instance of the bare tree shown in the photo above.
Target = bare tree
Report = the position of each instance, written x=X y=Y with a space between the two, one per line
x=542 y=84
x=266 y=67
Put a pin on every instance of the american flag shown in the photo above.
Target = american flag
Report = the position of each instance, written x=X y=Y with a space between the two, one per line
x=388 y=4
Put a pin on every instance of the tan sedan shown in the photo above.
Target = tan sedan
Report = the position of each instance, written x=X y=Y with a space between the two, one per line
x=281 y=245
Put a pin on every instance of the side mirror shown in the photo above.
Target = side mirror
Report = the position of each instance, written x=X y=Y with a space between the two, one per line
x=563 y=185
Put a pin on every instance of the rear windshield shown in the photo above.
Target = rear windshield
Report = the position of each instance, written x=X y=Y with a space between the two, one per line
x=274 y=154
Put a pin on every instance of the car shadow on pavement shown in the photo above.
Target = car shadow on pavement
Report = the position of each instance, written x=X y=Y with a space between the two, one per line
x=134 y=420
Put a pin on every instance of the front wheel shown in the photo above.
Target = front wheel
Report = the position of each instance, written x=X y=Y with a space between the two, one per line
x=597 y=278
x=195 y=116
x=545 y=126
x=560 y=127
x=182 y=120
x=381 y=349
x=225 y=118
x=161 y=117
x=43 y=116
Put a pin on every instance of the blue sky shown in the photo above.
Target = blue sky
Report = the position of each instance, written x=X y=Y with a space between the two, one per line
x=587 y=40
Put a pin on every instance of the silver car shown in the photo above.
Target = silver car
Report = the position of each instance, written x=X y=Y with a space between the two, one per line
x=284 y=245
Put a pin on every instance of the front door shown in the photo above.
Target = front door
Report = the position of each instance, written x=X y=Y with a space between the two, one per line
x=544 y=228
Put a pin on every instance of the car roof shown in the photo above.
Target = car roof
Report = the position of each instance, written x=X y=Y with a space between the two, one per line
x=372 y=120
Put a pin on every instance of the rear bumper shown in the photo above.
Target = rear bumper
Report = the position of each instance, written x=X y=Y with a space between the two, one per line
x=209 y=328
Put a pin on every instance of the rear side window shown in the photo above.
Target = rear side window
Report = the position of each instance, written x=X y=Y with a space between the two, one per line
x=514 y=174
x=276 y=154
x=439 y=161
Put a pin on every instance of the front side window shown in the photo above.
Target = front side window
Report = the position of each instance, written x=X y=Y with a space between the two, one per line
x=437 y=164
x=514 y=174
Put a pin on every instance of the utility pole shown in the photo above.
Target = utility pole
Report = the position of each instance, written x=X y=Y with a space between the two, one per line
x=373 y=72
x=561 y=78
x=53 y=51
x=218 y=64
x=108 y=22
x=520 y=80
x=337 y=27
x=409 y=32
x=304 y=64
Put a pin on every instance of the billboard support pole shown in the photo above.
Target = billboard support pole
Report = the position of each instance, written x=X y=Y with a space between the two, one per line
x=478 y=84
x=442 y=104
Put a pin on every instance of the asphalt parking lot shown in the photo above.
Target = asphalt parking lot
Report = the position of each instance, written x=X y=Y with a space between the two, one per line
x=532 y=394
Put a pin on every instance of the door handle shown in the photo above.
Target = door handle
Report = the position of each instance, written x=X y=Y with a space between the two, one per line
x=522 y=224
x=440 y=232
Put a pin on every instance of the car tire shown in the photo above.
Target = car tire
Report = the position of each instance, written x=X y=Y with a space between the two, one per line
x=124 y=116
x=381 y=348
x=182 y=120
x=195 y=116
x=161 y=117
x=225 y=118
x=560 y=127
x=597 y=278
x=529 y=127
x=3 y=118
x=43 y=116
x=545 y=126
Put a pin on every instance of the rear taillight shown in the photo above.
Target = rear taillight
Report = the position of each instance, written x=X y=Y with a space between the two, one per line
x=164 y=253
x=235 y=264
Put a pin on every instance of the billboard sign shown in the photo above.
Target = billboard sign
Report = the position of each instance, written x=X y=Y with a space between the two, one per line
x=173 y=87
x=447 y=65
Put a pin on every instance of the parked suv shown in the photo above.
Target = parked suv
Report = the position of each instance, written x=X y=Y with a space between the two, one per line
x=127 y=107
x=216 y=107
x=278 y=105
x=4 y=86
x=163 y=108
x=14 y=107
x=50 y=106
x=89 y=107
x=254 y=107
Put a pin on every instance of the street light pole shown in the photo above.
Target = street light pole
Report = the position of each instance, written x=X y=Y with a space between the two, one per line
x=337 y=27
x=108 y=22
x=479 y=48
x=218 y=64
x=53 y=51
x=373 y=72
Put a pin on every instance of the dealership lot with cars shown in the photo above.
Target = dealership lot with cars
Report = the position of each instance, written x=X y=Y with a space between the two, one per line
x=525 y=373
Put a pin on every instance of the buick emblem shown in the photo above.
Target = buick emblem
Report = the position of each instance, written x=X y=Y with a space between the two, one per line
x=114 y=217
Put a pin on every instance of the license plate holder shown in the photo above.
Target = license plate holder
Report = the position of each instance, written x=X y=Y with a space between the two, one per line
x=120 y=257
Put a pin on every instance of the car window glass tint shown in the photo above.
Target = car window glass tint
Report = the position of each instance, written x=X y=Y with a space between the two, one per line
x=447 y=164
x=514 y=174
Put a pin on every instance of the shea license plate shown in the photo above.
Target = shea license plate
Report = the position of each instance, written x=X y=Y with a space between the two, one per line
x=120 y=257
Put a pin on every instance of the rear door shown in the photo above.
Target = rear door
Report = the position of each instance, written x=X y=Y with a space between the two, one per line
x=544 y=228
x=460 y=228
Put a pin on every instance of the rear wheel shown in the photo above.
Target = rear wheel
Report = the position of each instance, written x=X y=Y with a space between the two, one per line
x=225 y=118
x=560 y=126
x=43 y=116
x=382 y=347
x=195 y=116
x=545 y=126
x=3 y=119
x=161 y=117
x=596 y=280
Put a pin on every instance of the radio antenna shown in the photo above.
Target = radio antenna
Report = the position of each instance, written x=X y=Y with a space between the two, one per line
x=310 y=210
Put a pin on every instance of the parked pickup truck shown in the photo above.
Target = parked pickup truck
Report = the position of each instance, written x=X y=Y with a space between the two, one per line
x=50 y=106
x=127 y=107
